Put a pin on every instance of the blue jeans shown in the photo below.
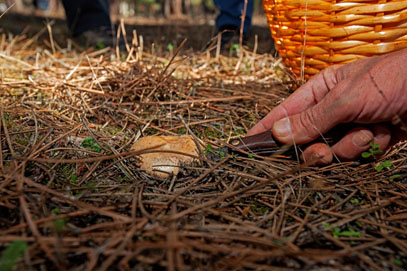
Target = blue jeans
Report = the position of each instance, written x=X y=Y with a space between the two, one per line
x=41 y=4
x=84 y=15
x=231 y=12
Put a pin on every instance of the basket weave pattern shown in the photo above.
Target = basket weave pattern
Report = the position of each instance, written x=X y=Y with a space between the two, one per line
x=335 y=32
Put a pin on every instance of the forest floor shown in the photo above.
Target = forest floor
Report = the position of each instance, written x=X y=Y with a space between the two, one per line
x=72 y=196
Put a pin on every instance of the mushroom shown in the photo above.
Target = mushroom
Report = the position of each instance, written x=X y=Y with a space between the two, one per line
x=169 y=153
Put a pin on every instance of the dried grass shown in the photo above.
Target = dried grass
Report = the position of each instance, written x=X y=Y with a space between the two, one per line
x=80 y=208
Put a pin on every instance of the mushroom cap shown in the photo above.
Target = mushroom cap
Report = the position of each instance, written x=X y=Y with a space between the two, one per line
x=166 y=162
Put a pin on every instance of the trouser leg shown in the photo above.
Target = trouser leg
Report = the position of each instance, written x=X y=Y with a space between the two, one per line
x=84 y=15
x=231 y=12
x=41 y=4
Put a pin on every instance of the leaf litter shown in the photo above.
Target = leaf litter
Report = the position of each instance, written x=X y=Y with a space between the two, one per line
x=73 y=196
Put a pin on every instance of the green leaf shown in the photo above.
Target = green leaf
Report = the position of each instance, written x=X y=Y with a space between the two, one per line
x=378 y=151
x=398 y=262
x=395 y=176
x=366 y=154
x=59 y=224
x=350 y=233
x=170 y=47
x=208 y=149
x=354 y=201
x=73 y=179
x=100 y=45
x=12 y=254
x=91 y=144
x=387 y=163
x=326 y=225
x=379 y=168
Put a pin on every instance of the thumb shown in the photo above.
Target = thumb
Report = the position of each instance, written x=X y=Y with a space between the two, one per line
x=308 y=125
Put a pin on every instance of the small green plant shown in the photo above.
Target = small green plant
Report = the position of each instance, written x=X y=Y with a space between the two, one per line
x=170 y=47
x=100 y=45
x=55 y=211
x=213 y=132
x=278 y=242
x=357 y=223
x=73 y=179
x=91 y=144
x=336 y=231
x=220 y=153
x=354 y=201
x=59 y=223
x=208 y=149
x=233 y=48
x=395 y=176
x=91 y=185
x=373 y=150
x=12 y=254
x=384 y=164
x=238 y=132
x=259 y=209
x=182 y=131
x=400 y=262
x=250 y=155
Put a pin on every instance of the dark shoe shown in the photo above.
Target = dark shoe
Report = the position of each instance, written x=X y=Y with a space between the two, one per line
x=99 y=38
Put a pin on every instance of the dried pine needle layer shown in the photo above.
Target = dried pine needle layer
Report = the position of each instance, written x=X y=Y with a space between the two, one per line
x=73 y=198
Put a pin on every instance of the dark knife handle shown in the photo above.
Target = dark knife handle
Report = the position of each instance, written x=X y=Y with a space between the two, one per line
x=266 y=142
x=262 y=141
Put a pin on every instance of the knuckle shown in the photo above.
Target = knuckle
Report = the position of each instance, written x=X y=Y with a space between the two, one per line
x=308 y=121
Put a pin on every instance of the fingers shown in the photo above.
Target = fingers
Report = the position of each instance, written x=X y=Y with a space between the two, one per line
x=318 y=154
x=303 y=98
x=311 y=123
x=350 y=146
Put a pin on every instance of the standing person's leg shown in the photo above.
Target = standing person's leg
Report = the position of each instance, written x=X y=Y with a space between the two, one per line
x=230 y=14
x=41 y=4
x=85 y=15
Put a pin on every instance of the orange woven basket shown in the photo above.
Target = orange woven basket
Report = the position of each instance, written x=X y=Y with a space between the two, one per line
x=316 y=33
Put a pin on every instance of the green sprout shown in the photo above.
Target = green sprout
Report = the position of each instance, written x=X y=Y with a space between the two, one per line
x=400 y=262
x=395 y=176
x=12 y=254
x=336 y=231
x=91 y=144
x=170 y=47
x=208 y=149
x=373 y=150
x=100 y=45
x=385 y=164
x=354 y=201
x=73 y=179
x=234 y=47
x=59 y=223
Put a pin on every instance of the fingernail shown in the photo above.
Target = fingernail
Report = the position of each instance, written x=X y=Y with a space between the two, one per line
x=361 y=139
x=282 y=128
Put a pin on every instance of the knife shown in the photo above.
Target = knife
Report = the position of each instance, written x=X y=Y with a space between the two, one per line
x=262 y=144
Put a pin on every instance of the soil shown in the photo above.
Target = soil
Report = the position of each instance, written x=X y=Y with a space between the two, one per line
x=157 y=34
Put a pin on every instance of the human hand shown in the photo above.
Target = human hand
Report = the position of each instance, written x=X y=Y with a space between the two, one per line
x=370 y=92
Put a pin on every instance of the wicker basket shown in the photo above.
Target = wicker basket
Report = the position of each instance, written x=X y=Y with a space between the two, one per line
x=335 y=32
